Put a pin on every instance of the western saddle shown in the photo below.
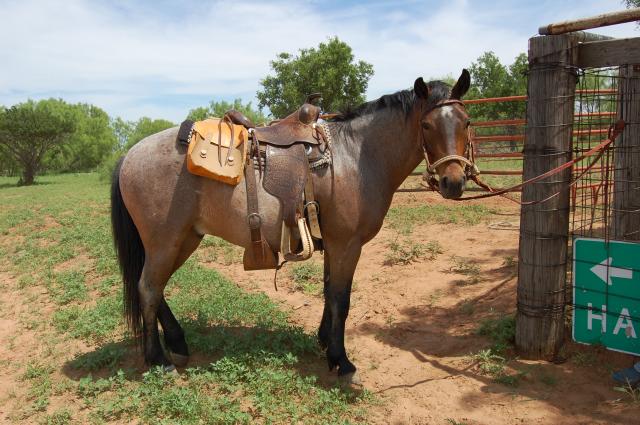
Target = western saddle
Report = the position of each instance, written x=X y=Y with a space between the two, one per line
x=282 y=151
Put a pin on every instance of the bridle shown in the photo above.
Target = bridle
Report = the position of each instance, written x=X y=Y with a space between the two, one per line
x=467 y=162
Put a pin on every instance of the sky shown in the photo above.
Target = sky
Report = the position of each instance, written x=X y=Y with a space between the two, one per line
x=162 y=58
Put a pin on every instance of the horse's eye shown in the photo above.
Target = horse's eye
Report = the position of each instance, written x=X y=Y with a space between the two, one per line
x=425 y=126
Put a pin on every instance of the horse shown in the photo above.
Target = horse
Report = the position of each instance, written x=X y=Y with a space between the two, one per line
x=160 y=212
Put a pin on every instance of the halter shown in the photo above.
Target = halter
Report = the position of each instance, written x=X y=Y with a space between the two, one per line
x=470 y=168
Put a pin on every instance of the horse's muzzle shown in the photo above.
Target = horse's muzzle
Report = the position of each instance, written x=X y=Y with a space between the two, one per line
x=452 y=187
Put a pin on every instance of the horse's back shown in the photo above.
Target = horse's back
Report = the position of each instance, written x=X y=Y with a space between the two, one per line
x=165 y=200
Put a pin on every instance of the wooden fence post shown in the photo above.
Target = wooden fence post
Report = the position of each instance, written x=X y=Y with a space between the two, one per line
x=626 y=201
x=544 y=227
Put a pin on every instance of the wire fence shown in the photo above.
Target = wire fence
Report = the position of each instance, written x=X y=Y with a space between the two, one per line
x=604 y=202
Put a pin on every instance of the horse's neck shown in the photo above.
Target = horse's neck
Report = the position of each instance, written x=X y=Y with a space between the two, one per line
x=384 y=147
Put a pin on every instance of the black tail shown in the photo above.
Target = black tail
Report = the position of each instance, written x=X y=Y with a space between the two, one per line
x=130 y=253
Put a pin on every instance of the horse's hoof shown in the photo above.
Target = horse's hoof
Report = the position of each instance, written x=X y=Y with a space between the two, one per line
x=351 y=379
x=180 y=360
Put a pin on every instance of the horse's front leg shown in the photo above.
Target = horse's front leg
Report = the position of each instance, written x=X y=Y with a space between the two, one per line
x=337 y=295
x=325 y=323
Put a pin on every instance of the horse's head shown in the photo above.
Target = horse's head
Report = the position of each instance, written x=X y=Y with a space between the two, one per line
x=444 y=134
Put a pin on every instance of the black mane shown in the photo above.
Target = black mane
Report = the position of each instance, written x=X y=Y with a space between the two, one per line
x=403 y=100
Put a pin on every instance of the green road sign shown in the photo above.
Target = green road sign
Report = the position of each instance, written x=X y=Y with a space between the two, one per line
x=606 y=294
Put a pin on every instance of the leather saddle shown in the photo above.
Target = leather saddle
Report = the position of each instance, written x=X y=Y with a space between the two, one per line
x=283 y=146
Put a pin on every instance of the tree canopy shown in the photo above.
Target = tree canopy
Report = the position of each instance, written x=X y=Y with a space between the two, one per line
x=218 y=108
x=144 y=127
x=85 y=148
x=31 y=130
x=330 y=69
x=490 y=78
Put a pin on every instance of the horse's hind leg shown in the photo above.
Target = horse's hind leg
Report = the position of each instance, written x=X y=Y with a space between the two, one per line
x=173 y=333
x=158 y=267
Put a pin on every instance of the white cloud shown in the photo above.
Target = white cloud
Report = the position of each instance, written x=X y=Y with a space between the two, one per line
x=136 y=59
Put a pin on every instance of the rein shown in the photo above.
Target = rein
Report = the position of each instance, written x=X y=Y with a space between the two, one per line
x=614 y=131
x=471 y=170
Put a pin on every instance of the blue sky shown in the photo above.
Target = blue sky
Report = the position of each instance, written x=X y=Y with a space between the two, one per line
x=162 y=58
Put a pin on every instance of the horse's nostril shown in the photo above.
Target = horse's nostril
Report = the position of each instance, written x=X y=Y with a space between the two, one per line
x=444 y=182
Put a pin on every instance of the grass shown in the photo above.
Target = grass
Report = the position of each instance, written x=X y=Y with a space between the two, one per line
x=253 y=365
x=214 y=249
x=308 y=277
x=467 y=307
x=585 y=359
x=466 y=267
x=501 y=331
x=403 y=219
x=454 y=422
x=493 y=361
x=632 y=392
x=500 y=164
x=404 y=251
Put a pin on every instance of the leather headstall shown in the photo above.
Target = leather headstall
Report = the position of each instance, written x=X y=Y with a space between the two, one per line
x=467 y=161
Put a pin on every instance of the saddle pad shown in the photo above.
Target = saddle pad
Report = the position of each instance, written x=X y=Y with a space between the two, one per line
x=213 y=154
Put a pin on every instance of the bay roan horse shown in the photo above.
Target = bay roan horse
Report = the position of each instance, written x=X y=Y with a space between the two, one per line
x=160 y=212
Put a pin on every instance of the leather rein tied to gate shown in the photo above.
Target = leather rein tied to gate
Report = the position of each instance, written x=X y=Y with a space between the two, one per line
x=614 y=131
x=471 y=170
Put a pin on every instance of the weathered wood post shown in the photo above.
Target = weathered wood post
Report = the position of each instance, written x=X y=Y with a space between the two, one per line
x=544 y=227
x=626 y=201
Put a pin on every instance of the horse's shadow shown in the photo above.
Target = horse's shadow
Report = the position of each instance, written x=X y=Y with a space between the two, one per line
x=209 y=344
x=434 y=335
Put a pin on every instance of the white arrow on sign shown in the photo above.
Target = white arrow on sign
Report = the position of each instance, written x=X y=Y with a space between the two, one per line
x=605 y=271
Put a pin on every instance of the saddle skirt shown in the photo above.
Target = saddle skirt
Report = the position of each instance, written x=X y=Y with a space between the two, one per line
x=217 y=150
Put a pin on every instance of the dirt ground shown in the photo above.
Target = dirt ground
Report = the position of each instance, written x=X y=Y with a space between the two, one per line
x=412 y=334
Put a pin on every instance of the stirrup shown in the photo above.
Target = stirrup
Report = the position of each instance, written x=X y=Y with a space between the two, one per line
x=305 y=236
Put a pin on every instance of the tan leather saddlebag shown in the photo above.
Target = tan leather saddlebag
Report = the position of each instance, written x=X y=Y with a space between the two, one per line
x=217 y=150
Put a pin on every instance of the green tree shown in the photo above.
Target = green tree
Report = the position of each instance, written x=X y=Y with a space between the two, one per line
x=122 y=131
x=632 y=3
x=127 y=134
x=31 y=130
x=146 y=127
x=218 y=109
x=91 y=142
x=330 y=69
x=490 y=78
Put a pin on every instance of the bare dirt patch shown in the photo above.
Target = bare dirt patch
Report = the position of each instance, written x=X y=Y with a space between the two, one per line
x=412 y=332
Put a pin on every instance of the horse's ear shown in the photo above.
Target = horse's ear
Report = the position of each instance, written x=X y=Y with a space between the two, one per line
x=462 y=85
x=420 y=88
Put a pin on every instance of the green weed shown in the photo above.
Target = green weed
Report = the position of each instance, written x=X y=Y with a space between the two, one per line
x=308 y=277
x=406 y=251
x=493 y=364
x=492 y=361
x=585 y=359
x=632 y=392
x=59 y=417
x=454 y=422
x=466 y=267
x=510 y=261
x=69 y=286
x=501 y=331
x=39 y=378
